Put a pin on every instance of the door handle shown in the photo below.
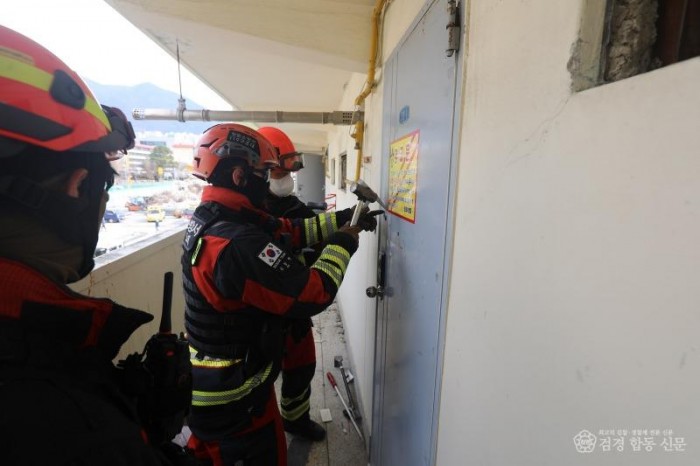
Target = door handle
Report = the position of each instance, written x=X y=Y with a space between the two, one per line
x=375 y=291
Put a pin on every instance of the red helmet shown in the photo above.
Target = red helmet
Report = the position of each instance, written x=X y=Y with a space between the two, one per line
x=45 y=103
x=231 y=140
x=289 y=159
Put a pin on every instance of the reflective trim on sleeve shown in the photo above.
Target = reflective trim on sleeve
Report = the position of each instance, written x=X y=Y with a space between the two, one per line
x=327 y=225
x=310 y=229
x=338 y=255
x=202 y=398
x=330 y=270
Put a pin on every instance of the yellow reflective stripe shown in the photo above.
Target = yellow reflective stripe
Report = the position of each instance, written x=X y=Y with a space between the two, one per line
x=337 y=255
x=26 y=73
x=322 y=219
x=195 y=254
x=209 y=363
x=23 y=72
x=327 y=224
x=214 y=363
x=330 y=270
x=202 y=398
x=310 y=228
x=287 y=401
x=333 y=223
x=295 y=413
x=95 y=110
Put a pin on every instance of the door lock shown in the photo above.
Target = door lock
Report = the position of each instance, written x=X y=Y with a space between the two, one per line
x=375 y=291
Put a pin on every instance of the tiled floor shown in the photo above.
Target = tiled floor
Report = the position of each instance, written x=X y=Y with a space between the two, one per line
x=342 y=446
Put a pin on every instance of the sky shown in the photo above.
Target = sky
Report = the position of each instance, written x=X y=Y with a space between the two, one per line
x=101 y=45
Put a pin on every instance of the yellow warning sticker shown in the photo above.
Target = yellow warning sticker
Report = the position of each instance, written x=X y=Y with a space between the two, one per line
x=403 y=171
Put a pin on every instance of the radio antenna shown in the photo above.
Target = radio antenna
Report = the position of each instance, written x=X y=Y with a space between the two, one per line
x=181 y=106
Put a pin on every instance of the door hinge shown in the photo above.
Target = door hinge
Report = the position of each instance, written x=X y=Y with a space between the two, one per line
x=454 y=31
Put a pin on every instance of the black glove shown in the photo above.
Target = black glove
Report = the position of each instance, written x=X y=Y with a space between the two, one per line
x=178 y=456
x=345 y=239
x=367 y=221
x=344 y=216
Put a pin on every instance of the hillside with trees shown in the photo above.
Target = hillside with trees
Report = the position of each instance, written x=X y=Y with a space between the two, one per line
x=147 y=95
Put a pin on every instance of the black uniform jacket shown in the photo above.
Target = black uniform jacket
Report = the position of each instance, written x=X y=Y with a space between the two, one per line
x=244 y=261
x=61 y=401
x=242 y=286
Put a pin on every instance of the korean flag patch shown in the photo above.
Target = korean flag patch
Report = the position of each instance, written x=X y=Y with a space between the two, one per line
x=271 y=255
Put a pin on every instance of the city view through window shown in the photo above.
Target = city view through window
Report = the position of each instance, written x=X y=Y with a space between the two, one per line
x=153 y=193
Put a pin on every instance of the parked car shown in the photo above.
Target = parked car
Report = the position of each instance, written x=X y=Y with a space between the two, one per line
x=135 y=204
x=112 y=217
x=155 y=214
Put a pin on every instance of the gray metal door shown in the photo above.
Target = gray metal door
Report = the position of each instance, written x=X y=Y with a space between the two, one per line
x=417 y=157
x=310 y=181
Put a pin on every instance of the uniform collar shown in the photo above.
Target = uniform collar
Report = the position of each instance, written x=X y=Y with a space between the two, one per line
x=49 y=307
x=228 y=198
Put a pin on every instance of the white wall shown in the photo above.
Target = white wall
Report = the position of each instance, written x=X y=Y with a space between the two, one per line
x=134 y=278
x=574 y=289
x=356 y=309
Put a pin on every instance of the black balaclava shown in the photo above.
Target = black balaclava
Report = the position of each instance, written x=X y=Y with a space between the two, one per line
x=255 y=188
x=23 y=189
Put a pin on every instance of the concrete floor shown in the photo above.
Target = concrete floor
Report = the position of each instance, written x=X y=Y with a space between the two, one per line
x=342 y=446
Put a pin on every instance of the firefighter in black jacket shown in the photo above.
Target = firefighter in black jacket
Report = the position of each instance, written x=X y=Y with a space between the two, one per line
x=62 y=401
x=242 y=286
x=299 y=363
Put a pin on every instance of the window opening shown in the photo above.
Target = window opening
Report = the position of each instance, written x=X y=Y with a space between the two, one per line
x=333 y=171
x=343 y=170
x=619 y=39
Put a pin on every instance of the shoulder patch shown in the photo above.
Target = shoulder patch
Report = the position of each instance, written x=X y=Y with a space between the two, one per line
x=275 y=257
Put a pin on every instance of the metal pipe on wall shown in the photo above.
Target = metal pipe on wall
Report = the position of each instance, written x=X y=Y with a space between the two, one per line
x=336 y=118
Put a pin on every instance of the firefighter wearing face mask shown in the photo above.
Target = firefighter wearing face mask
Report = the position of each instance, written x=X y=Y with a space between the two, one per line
x=243 y=286
x=299 y=363
x=62 y=401
x=281 y=200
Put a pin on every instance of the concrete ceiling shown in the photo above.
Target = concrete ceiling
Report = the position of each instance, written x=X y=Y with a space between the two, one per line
x=286 y=55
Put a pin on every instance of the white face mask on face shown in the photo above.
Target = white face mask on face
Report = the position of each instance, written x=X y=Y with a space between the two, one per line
x=282 y=187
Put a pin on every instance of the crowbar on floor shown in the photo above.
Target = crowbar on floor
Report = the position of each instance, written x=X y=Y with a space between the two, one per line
x=331 y=379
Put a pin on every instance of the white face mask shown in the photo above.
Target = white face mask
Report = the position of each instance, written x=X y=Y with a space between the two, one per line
x=282 y=187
